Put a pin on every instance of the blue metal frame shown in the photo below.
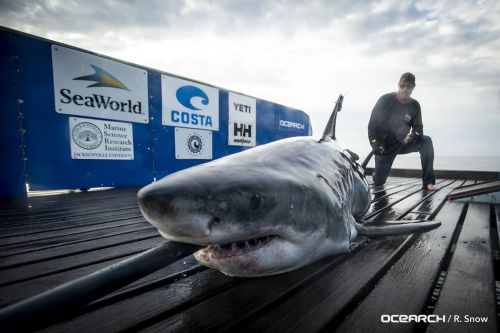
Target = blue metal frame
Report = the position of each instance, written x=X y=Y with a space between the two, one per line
x=12 y=181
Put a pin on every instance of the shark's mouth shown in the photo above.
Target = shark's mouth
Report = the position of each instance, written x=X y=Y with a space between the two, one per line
x=234 y=249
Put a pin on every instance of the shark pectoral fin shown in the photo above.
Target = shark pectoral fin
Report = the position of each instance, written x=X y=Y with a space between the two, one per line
x=396 y=228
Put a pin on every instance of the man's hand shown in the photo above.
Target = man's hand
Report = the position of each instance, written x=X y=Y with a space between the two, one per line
x=378 y=148
x=407 y=140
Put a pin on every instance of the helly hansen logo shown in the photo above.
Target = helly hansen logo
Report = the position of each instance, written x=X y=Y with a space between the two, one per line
x=242 y=130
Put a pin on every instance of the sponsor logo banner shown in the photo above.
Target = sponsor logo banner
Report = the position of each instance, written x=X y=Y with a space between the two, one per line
x=93 y=139
x=189 y=104
x=192 y=144
x=242 y=120
x=88 y=85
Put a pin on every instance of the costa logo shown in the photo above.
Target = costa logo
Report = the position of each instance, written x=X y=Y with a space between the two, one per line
x=189 y=104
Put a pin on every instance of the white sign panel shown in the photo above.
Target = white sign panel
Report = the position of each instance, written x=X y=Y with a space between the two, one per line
x=93 y=139
x=242 y=120
x=192 y=144
x=189 y=104
x=92 y=86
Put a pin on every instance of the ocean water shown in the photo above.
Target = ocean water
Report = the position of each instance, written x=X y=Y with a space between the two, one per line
x=462 y=163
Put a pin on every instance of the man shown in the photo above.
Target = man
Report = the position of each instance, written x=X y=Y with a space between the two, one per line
x=392 y=118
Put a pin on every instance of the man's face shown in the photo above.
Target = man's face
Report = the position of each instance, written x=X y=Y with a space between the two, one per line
x=405 y=90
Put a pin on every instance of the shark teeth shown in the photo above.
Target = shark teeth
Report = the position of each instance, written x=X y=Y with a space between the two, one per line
x=235 y=248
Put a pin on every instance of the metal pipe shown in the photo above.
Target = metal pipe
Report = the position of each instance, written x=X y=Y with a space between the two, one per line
x=48 y=307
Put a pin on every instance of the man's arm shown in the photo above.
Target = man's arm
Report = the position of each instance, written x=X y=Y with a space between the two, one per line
x=374 y=126
x=417 y=127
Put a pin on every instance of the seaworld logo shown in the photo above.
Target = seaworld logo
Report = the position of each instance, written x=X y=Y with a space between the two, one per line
x=102 y=79
x=97 y=101
x=186 y=96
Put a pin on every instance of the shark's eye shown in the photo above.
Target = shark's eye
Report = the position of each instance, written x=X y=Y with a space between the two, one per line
x=255 y=201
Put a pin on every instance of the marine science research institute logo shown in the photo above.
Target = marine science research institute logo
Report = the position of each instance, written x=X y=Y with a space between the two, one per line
x=87 y=135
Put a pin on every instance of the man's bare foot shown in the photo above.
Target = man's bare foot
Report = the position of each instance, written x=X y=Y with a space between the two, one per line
x=431 y=187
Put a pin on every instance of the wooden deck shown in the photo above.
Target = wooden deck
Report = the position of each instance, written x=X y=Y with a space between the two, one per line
x=448 y=272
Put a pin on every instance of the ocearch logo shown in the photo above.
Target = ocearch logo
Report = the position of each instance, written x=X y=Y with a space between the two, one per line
x=405 y=319
x=291 y=124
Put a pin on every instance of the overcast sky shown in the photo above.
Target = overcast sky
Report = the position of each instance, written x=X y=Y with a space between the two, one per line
x=303 y=54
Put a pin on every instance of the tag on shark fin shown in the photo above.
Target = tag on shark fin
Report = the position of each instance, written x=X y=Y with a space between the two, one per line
x=396 y=228
x=329 y=132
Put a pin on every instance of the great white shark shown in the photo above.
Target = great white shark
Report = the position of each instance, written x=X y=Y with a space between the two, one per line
x=269 y=209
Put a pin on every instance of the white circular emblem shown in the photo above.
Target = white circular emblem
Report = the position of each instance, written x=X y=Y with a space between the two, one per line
x=195 y=144
x=87 y=135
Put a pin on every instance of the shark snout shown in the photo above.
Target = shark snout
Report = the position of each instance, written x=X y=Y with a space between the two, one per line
x=174 y=214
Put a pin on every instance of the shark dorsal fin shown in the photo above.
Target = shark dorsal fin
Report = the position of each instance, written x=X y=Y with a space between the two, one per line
x=329 y=132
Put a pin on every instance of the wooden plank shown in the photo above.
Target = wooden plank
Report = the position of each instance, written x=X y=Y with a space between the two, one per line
x=159 y=302
x=469 y=287
x=58 y=265
x=75 y=248
x=66 y=224
x=388 y=190
x=391 y=207
x=407 y=285
x=451 y=174
x=476 y=189
x=34 y=239
x=391 y=184
x=29 y=288
x=14 y=220
x=84 y=238
x=17 y=291
x=497 y=211
x=46 y=209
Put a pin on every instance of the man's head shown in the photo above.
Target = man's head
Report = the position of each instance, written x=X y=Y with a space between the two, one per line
x=405 y=86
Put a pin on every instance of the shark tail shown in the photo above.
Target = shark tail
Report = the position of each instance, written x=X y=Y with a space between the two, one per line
x=396 y=228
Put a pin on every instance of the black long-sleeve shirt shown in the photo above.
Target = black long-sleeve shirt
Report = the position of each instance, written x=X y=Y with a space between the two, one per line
x=392 y=120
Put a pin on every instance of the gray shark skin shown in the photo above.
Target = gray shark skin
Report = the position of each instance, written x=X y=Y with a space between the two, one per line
x=269 y=209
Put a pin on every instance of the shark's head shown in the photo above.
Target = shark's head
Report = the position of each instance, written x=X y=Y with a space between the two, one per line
x=260 y=212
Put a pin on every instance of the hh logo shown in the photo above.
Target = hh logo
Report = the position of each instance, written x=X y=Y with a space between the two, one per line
x=243 y=130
